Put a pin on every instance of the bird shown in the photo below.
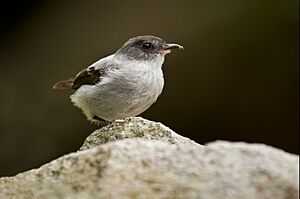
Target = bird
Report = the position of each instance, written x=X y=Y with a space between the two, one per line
x=123 y=84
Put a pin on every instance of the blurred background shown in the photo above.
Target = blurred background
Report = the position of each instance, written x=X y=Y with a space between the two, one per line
x=237 y=78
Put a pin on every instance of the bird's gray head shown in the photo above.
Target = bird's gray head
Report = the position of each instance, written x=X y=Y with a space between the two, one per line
x=146 y=47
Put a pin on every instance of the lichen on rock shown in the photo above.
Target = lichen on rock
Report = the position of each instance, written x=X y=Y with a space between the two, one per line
x=134 y=127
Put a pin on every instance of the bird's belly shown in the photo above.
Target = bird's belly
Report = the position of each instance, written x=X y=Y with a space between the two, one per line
x=119 y=99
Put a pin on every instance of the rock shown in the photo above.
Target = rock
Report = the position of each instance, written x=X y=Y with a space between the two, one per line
x=148 y=168
x=134 y=127
x=136 y=168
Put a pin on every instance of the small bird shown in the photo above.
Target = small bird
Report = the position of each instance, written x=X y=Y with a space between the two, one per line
x=123 y=84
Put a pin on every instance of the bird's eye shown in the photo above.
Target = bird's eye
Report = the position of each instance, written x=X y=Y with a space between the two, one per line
x=147 y=45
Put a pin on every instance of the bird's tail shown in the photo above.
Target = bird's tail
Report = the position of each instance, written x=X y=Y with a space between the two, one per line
x=64 y=84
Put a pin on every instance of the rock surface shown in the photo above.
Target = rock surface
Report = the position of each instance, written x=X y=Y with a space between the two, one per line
x=150 y=168
x=134 y=127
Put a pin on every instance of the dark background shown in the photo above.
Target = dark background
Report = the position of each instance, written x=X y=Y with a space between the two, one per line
x=237 y=78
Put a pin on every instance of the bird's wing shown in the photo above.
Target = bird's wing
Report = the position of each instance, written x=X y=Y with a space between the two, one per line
x=88 y=76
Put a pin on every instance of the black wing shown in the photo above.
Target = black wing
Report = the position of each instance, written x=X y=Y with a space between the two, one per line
x=88 y=76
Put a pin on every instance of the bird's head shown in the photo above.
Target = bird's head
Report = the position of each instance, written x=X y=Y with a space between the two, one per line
x=146 y=48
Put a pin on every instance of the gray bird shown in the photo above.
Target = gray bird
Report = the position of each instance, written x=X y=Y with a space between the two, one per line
x=123 y=84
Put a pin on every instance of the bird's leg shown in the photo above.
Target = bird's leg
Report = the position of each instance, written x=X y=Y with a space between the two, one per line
x=99 y=121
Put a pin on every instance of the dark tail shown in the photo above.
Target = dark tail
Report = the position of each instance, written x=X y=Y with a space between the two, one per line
x=63 y=84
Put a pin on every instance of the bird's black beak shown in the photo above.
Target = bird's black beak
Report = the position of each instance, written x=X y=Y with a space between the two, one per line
x=172 y=46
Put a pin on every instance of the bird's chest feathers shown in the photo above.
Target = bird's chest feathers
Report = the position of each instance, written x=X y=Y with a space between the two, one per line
x=142 y=79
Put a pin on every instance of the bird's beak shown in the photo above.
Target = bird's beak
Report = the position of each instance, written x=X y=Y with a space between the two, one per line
x=172 y=46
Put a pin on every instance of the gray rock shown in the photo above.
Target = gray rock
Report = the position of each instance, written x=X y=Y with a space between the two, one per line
x=134 y=127
x=136 y=168
x=155 y=162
